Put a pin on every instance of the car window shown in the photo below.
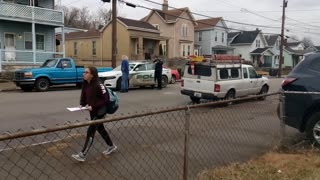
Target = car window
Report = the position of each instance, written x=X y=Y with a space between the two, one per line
x=141 y=67
x=252 y=73
x=200 y=70
x=315 y=65
x=66 y=62
x=223 y=73
x=234 y=73
x=150 y=66
x=245 y=72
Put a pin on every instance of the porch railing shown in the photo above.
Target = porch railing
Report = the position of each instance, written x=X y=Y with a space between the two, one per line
x=18 y=12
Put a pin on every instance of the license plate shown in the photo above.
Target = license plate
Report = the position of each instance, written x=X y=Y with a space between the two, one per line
x=196 y=94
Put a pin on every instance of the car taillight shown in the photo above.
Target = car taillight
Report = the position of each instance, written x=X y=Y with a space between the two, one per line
x=217 y=88
x=288 y=81
x=182 y=83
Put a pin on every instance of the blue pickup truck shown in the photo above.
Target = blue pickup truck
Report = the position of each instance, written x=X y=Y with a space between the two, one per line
x=55 y=71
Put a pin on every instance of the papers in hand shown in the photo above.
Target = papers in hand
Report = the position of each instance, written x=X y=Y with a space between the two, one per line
x=77 y=108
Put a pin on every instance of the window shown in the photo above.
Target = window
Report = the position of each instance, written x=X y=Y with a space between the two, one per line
x=222 y=38
x=252 y=73
x=200 y=36
x=200 y=70
x=75 y=48
x=141 y=67
x=183 y=50
x=28 y=41
x=257 y=43
x=39 y=41
x=184 y=30
x=94 y=48
x=315 y=65
x=189 y=50
x=245 y=72
x=65 y=62
x=150 y=66
x=234 y=73
x=223 y=73
x=216 y=37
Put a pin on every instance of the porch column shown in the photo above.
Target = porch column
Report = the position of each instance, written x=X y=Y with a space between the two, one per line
x=33 y=36
x=63 y=42
x=157 y=48
x=141 y=50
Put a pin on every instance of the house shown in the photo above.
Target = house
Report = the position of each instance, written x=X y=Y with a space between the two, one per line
x=291 y=57
x=298 y=45
x=273 y=43
x=211 y=37
x=138 y=40
x=251 y=46
x=312 y=49
x=178 y=26
x=27 y=32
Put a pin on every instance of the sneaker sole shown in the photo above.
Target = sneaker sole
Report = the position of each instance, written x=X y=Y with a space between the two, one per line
x=107 y=153
x=80 y=160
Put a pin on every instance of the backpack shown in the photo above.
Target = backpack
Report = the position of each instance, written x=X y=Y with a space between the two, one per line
x=113 y=103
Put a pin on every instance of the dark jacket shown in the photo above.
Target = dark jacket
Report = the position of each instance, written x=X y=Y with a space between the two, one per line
x=94 y=95
x=158 y=67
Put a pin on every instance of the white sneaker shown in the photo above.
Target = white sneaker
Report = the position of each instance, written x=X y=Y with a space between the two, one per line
x=110 y=149
x=79 y=157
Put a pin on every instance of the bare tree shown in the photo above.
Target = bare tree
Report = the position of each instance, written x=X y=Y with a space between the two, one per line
x=307 y=41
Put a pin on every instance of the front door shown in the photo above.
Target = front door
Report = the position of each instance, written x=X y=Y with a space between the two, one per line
x=9 y=47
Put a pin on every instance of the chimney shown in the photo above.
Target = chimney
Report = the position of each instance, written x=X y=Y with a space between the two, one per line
x=165 y=5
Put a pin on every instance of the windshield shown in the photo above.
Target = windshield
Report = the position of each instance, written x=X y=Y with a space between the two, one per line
x=49 y=63
x=118 y=68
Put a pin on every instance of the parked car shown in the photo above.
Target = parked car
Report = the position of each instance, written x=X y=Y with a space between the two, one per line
x=175 y=76
x=141 y=73
x=55 y=71
x=302 y=111
x=220 y=80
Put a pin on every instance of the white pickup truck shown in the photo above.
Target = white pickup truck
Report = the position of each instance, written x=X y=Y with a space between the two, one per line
x=206 y=80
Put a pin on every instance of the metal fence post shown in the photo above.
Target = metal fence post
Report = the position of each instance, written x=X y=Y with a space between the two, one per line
x=186 y=145
x=282 y=116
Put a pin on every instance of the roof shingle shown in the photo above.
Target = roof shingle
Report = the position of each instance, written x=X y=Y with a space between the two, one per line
x=207 y=23
x=137 y=23
x=245 y=37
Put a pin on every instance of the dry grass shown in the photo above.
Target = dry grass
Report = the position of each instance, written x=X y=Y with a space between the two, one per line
x=280 y=165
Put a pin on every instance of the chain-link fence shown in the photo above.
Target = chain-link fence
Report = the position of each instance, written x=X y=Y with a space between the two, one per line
x=175 y=143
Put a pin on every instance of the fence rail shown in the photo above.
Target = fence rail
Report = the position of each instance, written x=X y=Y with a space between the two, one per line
x=175 y=143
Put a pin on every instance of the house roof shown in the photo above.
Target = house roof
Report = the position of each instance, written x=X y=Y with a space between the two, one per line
x=220 y=47
x=137 y=23
x=271 y=39
x=170 y=16
x=207 y=23
x=293 y=43
x=80 y=35
x=259 y=50
x=245 y=37
x=232 y=34
x=292 y=51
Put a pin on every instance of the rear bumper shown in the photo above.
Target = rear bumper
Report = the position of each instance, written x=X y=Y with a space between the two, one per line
x=203 y=95
x=24 y=82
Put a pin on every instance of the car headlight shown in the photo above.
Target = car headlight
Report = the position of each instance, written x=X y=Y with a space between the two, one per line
x=28 y=74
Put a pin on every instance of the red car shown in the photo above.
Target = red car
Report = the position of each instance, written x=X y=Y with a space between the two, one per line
x=175 y=76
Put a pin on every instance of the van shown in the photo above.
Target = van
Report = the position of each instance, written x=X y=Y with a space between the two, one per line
x=216 y=80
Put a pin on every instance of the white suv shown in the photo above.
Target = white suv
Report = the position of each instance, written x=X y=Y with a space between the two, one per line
x=141 y=73
x=213 y=81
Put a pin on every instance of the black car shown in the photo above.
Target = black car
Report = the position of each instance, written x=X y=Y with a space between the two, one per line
x=302 y=101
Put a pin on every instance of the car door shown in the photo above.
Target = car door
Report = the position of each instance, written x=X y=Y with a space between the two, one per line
x=64 y=72
x=142 y=76
x=254 y=89
x=246 y=82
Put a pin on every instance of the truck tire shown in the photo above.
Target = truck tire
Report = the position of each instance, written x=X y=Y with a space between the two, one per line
x=263 y=91
x=173 y=79
x=42 y=84
x=312 y=130
x=79 y=85
x=229 y=96
x=164 y=81
x=27 y=88
x=195 y=99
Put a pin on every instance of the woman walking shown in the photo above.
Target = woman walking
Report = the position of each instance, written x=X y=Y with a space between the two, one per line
x=94 y=96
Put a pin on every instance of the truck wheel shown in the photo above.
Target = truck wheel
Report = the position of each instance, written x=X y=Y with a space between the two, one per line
x=42 y=84
x=263 y=91
x=195 y=100
x=229 y=96
x=164 y=81
x=313 y=129
x=79 y=85
x=27 y=88
x=173 y=79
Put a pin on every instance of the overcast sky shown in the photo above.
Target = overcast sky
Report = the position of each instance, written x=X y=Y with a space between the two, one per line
x=303 y=16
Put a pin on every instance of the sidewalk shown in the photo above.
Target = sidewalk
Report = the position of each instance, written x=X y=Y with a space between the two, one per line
x=7 y=86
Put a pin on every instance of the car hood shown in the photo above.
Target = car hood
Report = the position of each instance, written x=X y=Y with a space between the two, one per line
x=110 y=73
x=32 y=69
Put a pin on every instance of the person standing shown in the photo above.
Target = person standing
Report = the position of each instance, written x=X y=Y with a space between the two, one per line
x=158 y=72
x=94 y=96
x=125 y=74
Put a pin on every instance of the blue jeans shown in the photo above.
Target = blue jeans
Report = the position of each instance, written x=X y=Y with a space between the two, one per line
x=124 y=82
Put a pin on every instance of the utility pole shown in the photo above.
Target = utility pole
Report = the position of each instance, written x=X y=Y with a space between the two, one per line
x=285 y=3
x=114 y=34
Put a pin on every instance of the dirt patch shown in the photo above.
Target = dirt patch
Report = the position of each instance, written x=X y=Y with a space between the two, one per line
x=280 y=165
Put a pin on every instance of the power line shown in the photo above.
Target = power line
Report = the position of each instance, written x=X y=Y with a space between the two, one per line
x=303 y=23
